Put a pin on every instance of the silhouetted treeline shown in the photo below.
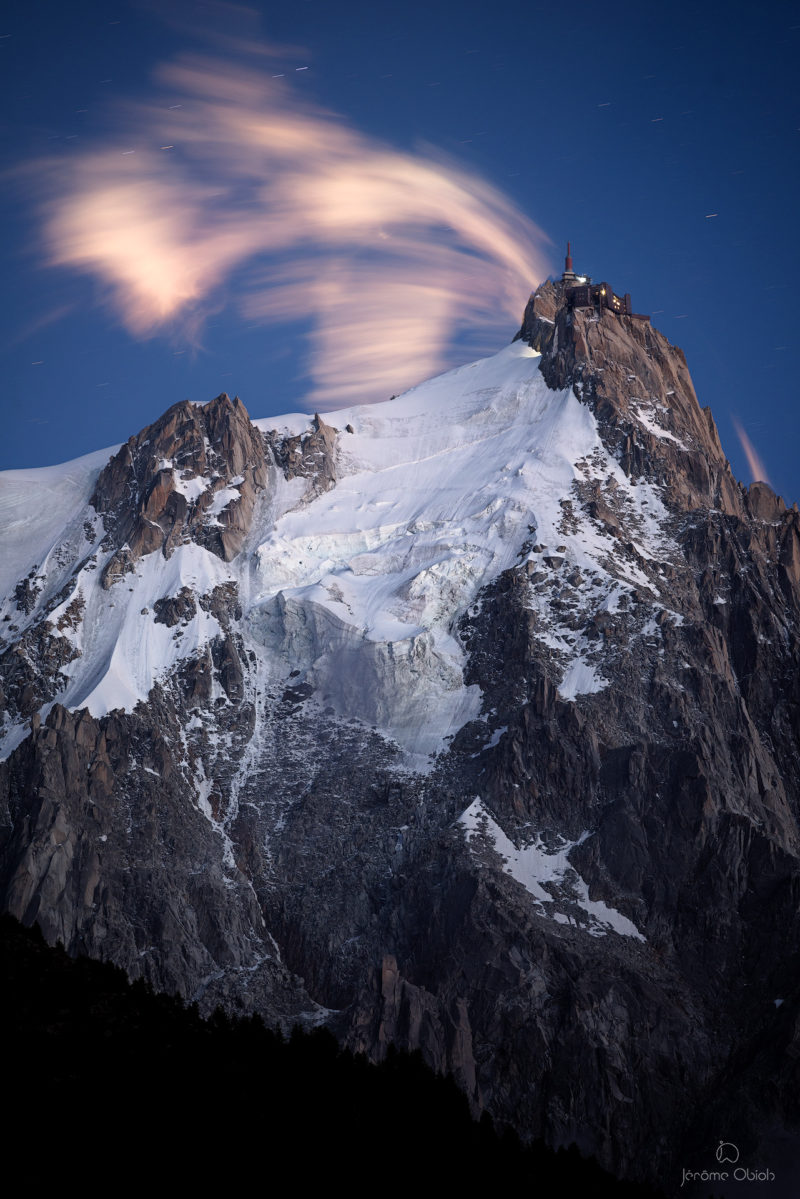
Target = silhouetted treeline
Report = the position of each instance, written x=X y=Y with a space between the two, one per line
x=106 y=1077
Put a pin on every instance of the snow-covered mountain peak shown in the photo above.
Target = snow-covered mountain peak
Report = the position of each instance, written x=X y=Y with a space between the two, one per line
x=355 y=546
x=467 y=721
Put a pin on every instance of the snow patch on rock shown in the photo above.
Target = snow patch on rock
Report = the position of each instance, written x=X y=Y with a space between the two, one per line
x=547 y=875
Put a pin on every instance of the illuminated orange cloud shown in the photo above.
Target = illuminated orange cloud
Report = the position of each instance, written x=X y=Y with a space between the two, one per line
x=757 y=468
x=390 y=254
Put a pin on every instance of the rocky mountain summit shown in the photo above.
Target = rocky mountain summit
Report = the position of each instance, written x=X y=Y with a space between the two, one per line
x=469 y=722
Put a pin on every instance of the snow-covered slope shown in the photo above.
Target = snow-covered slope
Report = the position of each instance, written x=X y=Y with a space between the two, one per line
x=360 y=589
x=363 y=587
x=441 y=489
x=37 y=506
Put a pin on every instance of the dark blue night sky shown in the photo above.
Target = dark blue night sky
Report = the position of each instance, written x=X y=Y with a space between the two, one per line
x=662 y=140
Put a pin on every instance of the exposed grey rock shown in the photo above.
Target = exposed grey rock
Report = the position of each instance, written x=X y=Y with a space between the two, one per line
x=113 y=859
x=157 y=491
x=625 y=370
x=310 y=455
x=173 y=609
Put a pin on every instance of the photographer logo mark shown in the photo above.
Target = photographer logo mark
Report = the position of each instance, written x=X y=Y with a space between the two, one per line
x=727 y=1152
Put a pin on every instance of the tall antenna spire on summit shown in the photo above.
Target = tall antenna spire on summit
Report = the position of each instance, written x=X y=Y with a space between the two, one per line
x=569 y=277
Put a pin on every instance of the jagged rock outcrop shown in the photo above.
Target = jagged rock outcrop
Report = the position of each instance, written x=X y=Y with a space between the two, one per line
x=310 y=455
x=639 y=387
x=194 y=474
x=582 y=902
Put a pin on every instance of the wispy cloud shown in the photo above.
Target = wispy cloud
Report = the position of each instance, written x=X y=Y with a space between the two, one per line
x=265 y=198
x=38 y=324
x=757 y=468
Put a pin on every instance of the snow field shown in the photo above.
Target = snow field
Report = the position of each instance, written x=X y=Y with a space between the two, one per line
x=436 y=493
x=360 y=589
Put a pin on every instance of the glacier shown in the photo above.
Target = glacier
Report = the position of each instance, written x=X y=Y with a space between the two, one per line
x=358 y=590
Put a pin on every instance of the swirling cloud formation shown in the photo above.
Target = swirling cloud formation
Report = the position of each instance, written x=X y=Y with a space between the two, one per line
x=231 y=190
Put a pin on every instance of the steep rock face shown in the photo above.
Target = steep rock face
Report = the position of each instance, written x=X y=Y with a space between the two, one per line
x=195 y=474
x=579 y=896
x=311 y=454
x=111 y=860
x=639 y=387
x=686 y=771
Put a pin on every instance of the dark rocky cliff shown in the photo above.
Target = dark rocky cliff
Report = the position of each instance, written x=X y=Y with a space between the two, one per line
x=645 y=1001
